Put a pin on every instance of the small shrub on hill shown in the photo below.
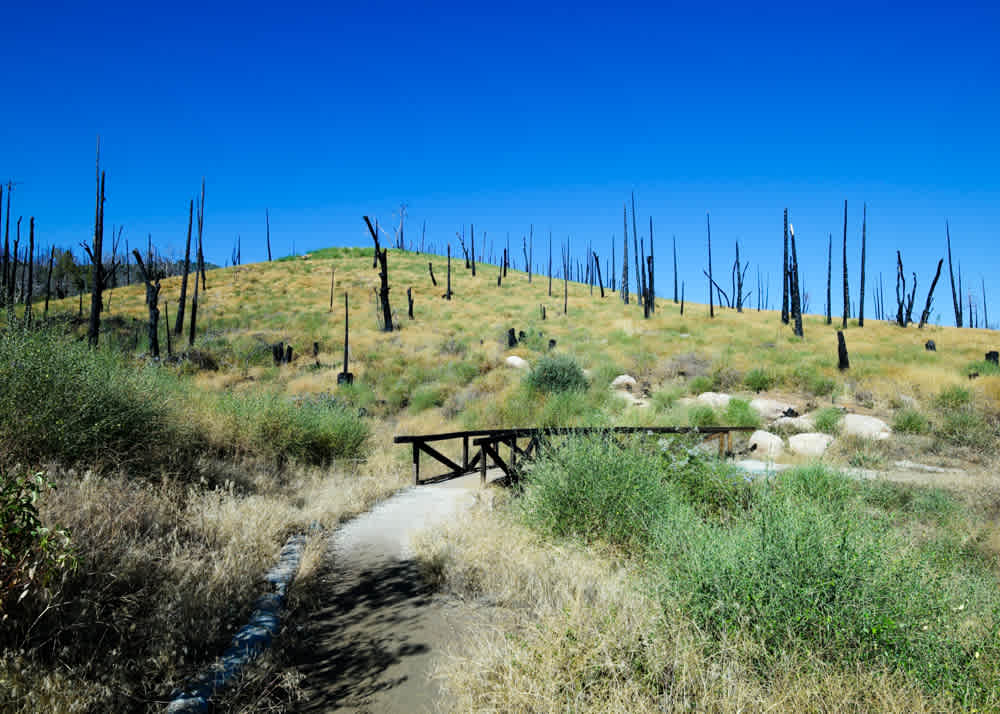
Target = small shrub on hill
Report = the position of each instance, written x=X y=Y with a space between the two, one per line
x=758 y=380
x=953 y=397
x=740 y=413
x=828 y=420
x=702 y=416
x=910 y=421
x=556 y=373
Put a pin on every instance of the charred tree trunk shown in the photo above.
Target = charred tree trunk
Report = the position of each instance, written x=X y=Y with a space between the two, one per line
x=900 y=290
x=842 y=360
x=48 y=282
x=382 y=255
x=97 y=274
x=682 y=298
x=550 y=263
x=6 y=251
x=847 y=295
x=649 y=280
x=829 y=275
x=472 y=238
x=192 y=328
x=31 y=270
x=909 y=302
x=267 y=228
x=955 y=296
x=784 y=279
x=796 y=306
x=925 y=315
x=625 y=255
x=179 y=324
x=864 y=240
x=675 y=270
x=152 y=302
x=711 y=282
x=597 y=267
x=447 y=293
x=566 y=280
x=333 y=272
x=430 y=269
x=409 y=300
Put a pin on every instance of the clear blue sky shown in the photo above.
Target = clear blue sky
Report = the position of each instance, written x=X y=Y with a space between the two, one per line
x=516 y=115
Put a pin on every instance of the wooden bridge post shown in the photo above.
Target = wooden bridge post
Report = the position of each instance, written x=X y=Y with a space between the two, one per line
x=465 y=454
x=482 y=464
x=416 y=464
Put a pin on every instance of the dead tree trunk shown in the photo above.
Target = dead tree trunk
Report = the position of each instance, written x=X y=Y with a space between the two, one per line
x=829 y=275
x=900 y=290
x=152 y=299
x=794 y=284
x=925 y=315
x=550 y=263
x=382 y=255
x=675 y=269
x=649 y=280
x=682 y=298
x=447 y=293
x=955 y=296
x=909 y=301
x=409 y=300
x=48 y=283
x=6 y=251
x=784 y=279
x=711 y=282
x=31 y=270
x=345 y=377
x=842 y=360
x=864 y=240
x=566 y=280
x=97 y=274
x=267 y=229
x=847 y=295
x=179 y=324
x=625 y=255
x=333 y=271
x=635 y=253
x=472 y=238
x=597 y=267
x=198 y=269
x=430 y=269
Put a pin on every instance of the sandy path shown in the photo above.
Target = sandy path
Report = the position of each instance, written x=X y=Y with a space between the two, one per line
x=371 y=646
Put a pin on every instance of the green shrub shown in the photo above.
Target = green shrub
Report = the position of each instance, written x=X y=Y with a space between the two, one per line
x=664 y=399
x=910 y=421
x=827 y=420
x=968 y=428
x=701 y=383
x=556 y=373
x=740 y=413
x=702 y=416
x=426 y=397
x=953 y=397
x=983 y=368
x=758 y=380
x=810 y=380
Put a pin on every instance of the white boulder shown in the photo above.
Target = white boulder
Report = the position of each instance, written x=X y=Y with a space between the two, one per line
x=798 y=424
x=516 y=362
x=868 y=427
x=766 y=445
x=770 y=409
x=624 y=381
x=714 y=399
x=811 y=444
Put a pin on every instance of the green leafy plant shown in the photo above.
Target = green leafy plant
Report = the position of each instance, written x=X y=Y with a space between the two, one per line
x=758 y=380
x=556 y=373
x=702 y=416
x=31 y=554
x=740 y=413
x=910 y=421
x=828 y=420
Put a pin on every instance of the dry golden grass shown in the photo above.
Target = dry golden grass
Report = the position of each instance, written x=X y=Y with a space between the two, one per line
x=569 y=629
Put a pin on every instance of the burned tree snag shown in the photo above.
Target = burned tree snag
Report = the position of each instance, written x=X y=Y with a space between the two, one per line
x=345 y=377
x=847 y=295
x=900 y=290
x=796 y=306
x=566 y=279
x=829 y=275
x=925 y=315
x=447 y=292
x=97 y=273
x=333 y=271
x=784 y=279
x=955 y=296
x=472 y=238
x=382 y=255
x=179 y=324
x=198 y=269
x=597 y=267
x=682 y=298
x=675 y=270
x=152 y=281
x=31 y=270
x=625 y=255
x=430 y=269
x=267 y=229
x=864 y=240
x=909 y=301
x=842 y=360
x=711 y=283
x=649 y=280
x=48 y=282
x=550 y=263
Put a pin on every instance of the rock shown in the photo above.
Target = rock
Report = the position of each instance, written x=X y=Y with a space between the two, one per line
x=623 y=381
x=714 y=399
x=811 y=444
x=868 y=427
x=770 y=409
x=766 y=445
x=797 y=424
x=517 y=362
x=930 y=346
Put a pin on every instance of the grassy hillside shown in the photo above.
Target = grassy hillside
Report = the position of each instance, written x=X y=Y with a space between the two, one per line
x=161 y=467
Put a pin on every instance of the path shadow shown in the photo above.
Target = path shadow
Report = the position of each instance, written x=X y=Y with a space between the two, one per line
x=357 y=645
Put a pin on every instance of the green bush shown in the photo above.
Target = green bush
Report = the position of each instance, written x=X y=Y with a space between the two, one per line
x=556 y=373
x=701 y=383
x=827 y=420
x=983 y=368
x=810 y=380
x=758 y=380
x=61 y=401
x=953 y=397
x=426 y=397
x=740 y=413
x=910 y=421
x=702 y=416
x=664 y=399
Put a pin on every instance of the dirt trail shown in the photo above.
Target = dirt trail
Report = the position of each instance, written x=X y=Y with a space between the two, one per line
x=371 y=646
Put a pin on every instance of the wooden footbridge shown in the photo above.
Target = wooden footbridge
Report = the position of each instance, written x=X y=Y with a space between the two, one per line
x=523 y=444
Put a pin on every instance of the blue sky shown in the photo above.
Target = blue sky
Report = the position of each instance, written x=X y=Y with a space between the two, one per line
x=515 y=115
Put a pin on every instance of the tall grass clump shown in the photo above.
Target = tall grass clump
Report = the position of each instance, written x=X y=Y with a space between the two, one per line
x=61 y=401
x=758 y=380
x=740 y=413
x=805 y=564
x=828 y=420
x=556 y=373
